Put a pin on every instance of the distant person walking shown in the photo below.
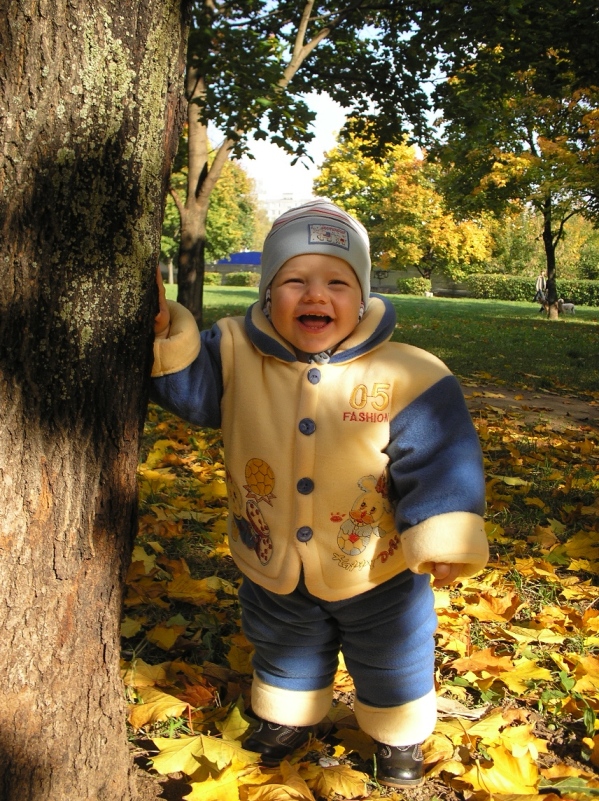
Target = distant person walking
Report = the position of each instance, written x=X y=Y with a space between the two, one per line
x=540 y=288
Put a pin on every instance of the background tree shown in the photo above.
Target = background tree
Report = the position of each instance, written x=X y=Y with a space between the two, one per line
x=396 y=198
x=519 y=149
x=89 y=98
x=234 y=221
x=249 y=65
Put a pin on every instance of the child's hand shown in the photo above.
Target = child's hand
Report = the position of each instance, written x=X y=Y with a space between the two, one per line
x=444 y=573
x=162 y=321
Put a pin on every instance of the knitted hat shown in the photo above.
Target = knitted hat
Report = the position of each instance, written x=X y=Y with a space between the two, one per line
x=316 y=227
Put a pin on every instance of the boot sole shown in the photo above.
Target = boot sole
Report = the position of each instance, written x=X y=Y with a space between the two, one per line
x=405 y=783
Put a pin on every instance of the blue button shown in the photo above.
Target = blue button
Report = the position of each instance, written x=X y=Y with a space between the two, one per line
x=305 y=486
x=307 y=426
x=304 y=533
x=313 y=375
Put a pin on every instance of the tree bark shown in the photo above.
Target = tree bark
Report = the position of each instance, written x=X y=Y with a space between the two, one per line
x=549 y=245
x=90 y=112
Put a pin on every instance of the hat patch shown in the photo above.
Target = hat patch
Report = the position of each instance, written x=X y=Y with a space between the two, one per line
x=329 y=235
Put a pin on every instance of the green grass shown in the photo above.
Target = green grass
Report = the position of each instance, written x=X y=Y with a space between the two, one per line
x=503 y=342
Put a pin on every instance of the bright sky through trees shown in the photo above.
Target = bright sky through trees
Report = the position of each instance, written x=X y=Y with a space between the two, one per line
x=271 y=167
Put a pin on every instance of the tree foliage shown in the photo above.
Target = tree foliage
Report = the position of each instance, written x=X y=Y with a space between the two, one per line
x=397 y=199
x=233 y=222
x=249 y=66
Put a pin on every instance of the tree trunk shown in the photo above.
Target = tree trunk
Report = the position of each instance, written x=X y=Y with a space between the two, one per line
x=549 y=245
x=90 y=106
x=201 y=179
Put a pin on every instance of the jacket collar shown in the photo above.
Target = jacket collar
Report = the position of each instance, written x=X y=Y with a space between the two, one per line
x=376 y=327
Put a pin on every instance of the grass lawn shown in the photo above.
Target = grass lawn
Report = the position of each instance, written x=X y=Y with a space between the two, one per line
x=491 y=341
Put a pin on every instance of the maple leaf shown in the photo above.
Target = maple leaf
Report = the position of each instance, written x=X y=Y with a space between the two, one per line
x=520 y=740
x=130 y=627
x=138 y=673
x=156 y=706
x=177 y=755
x=524 y=670
x=356 y=740
x=494 y=608
x=165 y=636
x=190 y=590
x=224 y=788
x=508 y=774
x=287 y=785
x=339 y=779
x=235 y=725
x=483 y=660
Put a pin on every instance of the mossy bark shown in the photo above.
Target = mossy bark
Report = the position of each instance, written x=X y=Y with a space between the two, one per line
x=90 y=108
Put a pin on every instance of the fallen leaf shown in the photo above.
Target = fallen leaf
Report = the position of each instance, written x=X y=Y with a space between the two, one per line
x=156 y=706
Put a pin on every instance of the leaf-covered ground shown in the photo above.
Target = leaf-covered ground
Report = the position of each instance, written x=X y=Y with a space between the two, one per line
x=518 y=645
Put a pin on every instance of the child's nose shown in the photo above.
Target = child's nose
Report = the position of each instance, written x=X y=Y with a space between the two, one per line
x=314 y=291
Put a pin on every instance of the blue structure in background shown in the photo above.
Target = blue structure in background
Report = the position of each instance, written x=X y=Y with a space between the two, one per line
x=248 y=257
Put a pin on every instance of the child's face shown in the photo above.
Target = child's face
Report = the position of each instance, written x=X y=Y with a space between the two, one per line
x=315 y=301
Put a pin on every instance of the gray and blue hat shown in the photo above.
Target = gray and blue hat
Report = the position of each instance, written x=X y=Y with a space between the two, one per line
x=316 y=227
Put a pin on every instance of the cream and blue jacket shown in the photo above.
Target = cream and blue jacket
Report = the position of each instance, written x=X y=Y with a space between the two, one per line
x=352 y=471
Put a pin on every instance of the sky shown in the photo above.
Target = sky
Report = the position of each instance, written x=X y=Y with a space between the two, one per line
x=271 y=167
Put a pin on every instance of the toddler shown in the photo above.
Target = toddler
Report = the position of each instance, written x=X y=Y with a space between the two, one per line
x=354 y=473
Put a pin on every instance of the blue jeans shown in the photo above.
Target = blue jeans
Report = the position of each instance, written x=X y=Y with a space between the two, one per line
x=386 y=635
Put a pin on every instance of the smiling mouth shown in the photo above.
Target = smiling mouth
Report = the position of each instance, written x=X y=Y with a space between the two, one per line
x=315 y=322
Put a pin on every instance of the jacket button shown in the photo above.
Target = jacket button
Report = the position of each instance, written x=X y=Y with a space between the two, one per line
x=304 y=534
x=305 y=486
x=307 y=426
x=313 y=375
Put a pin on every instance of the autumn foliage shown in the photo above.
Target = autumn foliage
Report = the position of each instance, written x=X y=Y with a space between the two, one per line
x=518 y=645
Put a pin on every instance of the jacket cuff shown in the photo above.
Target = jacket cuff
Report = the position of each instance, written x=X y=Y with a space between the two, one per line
x=182 y=345
x=290 y=707
x=407 y=724
x=454 y=537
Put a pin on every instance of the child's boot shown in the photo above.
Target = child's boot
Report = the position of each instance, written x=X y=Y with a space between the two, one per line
x=399 y=766
x=276 y=742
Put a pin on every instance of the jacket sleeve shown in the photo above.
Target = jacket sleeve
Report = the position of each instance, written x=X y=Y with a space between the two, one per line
x=187 y=371
x=436 y=471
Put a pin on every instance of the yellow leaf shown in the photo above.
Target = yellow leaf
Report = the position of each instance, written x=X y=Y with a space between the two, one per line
x=489 y=728
x=162 y=476
x=148 y=560
x=483 y=660
x=524 y=635
x=214 y=489
x=223 y=788
x=437 y=748
x=165 y=636
x=286 y=786
x=129 y=627
x=512 y=481
x=156 y=706
x=177 y=754
x=520 y=740
x=506 y=775
x=524 y=670
x=223 y=752
x=341 y=713
x=138 y=673
x=535 y=502
x=491 y=607
x=234 y=726
x=190 y=590
x=355 y=740
x=339 y=779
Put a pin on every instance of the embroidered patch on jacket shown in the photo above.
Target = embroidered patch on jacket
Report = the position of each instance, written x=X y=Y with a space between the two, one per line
x=329 y=234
